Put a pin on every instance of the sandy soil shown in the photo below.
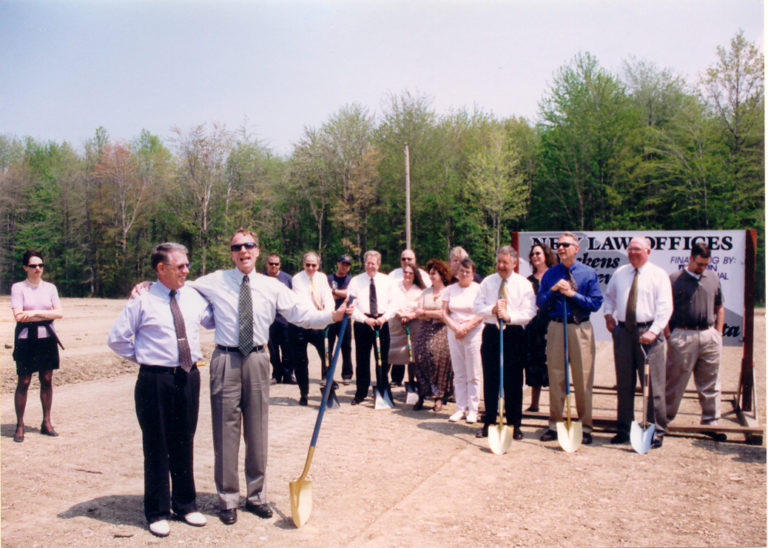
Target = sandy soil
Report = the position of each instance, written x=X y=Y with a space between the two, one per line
x=379 y=478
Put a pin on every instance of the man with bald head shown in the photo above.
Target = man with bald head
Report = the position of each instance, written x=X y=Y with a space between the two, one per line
x=638 y=306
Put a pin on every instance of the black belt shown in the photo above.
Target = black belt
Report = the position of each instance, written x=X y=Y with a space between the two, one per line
x=374 y=316
x=259 y=348
x=572 y=320
x=162 y=369
x=639 y=324
x=693 y=327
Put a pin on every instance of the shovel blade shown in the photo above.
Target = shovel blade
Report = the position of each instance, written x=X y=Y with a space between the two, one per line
x=569 y=435
x=301 y=501
x=333 y=401
x=382 y=400
x=411 y=393
x=641 y=438
x=500 y=438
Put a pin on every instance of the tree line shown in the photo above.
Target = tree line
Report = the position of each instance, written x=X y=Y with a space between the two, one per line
x=641 y=149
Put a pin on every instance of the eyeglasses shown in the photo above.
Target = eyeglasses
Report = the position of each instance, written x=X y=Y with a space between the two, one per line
x=564 y=245
x=246 y=245
x=181 y=266
x=407 y=258
x=309 y=265
x=273 y=264
x=38 y=265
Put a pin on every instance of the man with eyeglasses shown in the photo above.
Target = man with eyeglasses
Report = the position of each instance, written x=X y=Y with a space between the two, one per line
x=638 y=306
x=409 y=257
x=160 y=331
x=279 y=332
x=574 y=285
x=245 y=304
x=311 y=287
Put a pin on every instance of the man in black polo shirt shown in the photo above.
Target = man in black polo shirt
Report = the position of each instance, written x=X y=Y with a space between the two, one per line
x=696 y=338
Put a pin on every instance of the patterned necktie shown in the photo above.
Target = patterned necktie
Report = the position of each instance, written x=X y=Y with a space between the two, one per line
x=631 y=321
x=503 y=289
x=185 y=356
x=245 y=318
x=315 y=296
x=373 y=301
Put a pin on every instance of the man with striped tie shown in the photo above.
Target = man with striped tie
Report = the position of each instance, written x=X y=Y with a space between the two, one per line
x=311 y=287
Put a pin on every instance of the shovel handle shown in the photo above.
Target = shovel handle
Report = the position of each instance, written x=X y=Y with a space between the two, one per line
x=565 y=344
x=328 y=386
x=410 y=348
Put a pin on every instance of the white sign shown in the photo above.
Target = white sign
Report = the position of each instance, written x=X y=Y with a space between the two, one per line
x=671 y=250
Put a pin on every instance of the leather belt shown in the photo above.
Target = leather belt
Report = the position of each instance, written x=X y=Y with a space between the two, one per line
x=639 y=324
x=162 y=369
x=693 y=327
x=259 y=348
x=575 y=321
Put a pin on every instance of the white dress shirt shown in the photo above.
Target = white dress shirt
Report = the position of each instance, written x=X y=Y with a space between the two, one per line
x=386 y=296
x=302 y=286
x=521 y=301
x=654 y=295
x=269 y=296
x=144 y=332
x=397 y=275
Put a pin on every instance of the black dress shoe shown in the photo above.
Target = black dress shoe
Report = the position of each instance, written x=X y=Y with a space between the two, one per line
x=482 y=433
x=586 y=438
x=419 y=405
x=303 y=400
x=261 y=510
x=228 y=516
x=289 y=380
x=621 y=437
x=657 y=442
x=549 y=435
x=517 y=434
x=356 y=401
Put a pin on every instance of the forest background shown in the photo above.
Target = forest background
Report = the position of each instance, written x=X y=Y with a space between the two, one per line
x=640 y=150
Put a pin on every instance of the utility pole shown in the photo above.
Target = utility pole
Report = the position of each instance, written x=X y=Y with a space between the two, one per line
x=407 y=199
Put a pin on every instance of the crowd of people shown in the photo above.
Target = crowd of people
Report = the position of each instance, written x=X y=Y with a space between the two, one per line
x=442 y=328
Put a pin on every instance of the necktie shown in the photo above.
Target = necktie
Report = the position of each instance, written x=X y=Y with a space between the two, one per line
x=315 y=296
x=503 y=289
x=631 y=320
x=373 y=303
x=185 y=356
x=245 y=318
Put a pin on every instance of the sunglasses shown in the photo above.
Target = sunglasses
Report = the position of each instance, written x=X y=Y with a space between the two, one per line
x=273 y=264
x=246 y=245
x=564 y=245
x=38 y=265
x=308 y=265
x=407 y=258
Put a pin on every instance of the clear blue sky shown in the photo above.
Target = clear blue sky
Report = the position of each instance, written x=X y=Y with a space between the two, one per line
x=67 y=67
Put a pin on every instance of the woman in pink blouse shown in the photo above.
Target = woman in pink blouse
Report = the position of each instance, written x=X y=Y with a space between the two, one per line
x=35 y=305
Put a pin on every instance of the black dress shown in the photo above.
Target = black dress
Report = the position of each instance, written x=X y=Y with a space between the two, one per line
x=536 y=346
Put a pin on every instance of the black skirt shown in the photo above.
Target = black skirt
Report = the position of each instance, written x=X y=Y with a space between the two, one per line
x=33 y=355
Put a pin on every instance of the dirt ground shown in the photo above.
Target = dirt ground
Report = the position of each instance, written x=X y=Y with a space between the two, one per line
x=379 y=478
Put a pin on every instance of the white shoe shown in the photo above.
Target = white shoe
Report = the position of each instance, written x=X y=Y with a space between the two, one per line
x=471 y=417
x=457 y=416
x=160 y=528
x=195 y=518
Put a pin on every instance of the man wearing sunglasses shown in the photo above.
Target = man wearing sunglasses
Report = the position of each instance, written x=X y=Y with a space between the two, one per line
x=245 y=304
x=409 y=257
x=279 y=332
x=576 y=286
x=311 y=287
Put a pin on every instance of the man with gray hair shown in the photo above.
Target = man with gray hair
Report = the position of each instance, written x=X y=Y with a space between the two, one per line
x=638 y=306
x=159 y=331
x=504 y=296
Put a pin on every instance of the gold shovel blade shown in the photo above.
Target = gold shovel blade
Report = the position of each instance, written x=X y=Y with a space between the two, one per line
x=301 y=501
x=569 y=435
x=500 y=438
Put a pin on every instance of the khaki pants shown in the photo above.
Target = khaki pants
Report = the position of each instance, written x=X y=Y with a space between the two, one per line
x=581 y=355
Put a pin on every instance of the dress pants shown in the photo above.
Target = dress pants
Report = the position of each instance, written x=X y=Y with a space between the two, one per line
x=467 y=368
x=581 y=355
x=365 y=340
x=240 y=388
x=346 y=348
x=514 y=339
x=280 y=351
x=698 y=352
x=300 y=337
x=167 y=403
x=628 y=358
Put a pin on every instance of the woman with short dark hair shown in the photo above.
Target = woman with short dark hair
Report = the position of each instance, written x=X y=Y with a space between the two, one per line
x=35 y=304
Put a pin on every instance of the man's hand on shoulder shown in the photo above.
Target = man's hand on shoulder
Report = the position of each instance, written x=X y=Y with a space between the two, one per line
x=140 y=288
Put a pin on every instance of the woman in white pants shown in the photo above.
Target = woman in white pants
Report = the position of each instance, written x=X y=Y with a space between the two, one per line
x=464 y=339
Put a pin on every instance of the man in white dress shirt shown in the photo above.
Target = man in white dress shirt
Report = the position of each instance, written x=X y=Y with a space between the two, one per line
x=244 y=304
x=159 y=331
x=311 y=287
x=409 y=257
x=375 y=301
x=507 y=296
x=638 y=306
